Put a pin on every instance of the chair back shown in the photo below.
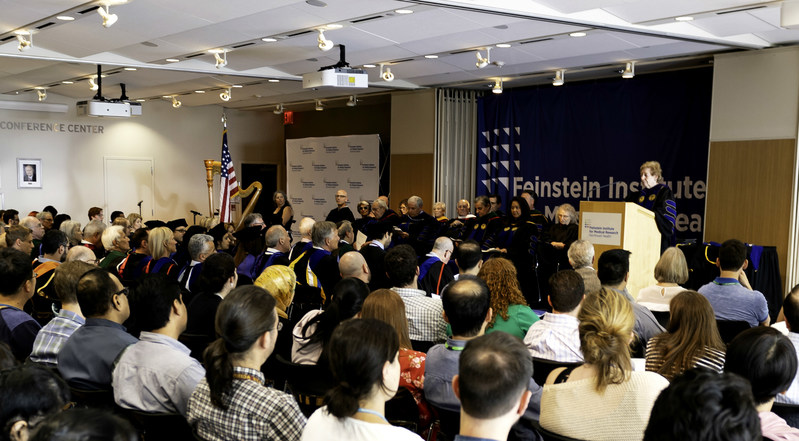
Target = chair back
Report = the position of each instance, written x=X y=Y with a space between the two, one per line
x=662 y=317
x=728 y=329
x=421 y=346
x=542 y=368
x=403 y=411
x=308 y=383
x=449 y=423
x=103 y=399
x=788 y=412
x=552 y=436
x=160 y=426
x=196 y=344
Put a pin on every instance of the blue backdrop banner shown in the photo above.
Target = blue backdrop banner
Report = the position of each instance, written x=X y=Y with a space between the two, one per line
x=586 y=141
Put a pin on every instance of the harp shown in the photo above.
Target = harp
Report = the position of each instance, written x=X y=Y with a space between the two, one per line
x=215 y=168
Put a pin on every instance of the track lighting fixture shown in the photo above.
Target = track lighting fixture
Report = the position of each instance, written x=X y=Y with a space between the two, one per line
x=92 y=85
x=225 y=96
x=629 y=70
x=323 y=43
x=175 y=103
x=559 y=75
x=353 y=101
x=497 y=86
x=108 y=18
x=319 y=107
x=24 y=43
x=483 y=62
x=42 y=94
x=386 y=74
x=220 y=55
x=278 y=109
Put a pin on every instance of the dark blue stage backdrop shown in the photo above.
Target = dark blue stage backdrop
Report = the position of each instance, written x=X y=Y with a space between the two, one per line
x=587 y=140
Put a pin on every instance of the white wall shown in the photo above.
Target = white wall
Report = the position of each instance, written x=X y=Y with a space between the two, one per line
x=178 y=140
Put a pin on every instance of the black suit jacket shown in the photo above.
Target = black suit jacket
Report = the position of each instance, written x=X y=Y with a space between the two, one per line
x=375 y=258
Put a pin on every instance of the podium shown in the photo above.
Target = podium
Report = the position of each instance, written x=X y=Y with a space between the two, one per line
x=610 y=225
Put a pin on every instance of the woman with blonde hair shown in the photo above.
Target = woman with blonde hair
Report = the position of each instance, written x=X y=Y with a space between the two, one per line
x=655 y=195
x=161 y=242
x=135 y=220
x=280 y=281
x=73 y=232
x=602 y=399
x=670 y=272
x=511 y=313
x=691 y=339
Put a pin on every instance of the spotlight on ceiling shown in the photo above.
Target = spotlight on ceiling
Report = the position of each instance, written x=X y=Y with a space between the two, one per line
x=319 y=107
x=323 y=43
x=225 y=96
x=42 y=94
x=175 y=103
x=353 y=101
x=220 y=55
x=278 y=109
x=108 y=18
x=92 y=85
x=386 y=74
x=483 y=62
x=24 y=43
x=629 y=70
x=497 y=86
x=559 y=75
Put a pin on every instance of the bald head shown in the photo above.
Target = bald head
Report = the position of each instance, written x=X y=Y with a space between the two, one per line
x=352 y=264
x=82 y=254
x=341 y=198
x=442 y=248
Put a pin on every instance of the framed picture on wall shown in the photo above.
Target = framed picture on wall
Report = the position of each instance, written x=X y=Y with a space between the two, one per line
x=29 y=173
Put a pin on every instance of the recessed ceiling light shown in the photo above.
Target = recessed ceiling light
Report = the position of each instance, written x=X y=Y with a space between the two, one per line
x=67 y=82
x=65 y=18
x=684 y=18
x=431 y=57
x=503 y=45
x=318 y=3
x=403 y=11
x=577 y=34
x=238 y=86
x=269 y=39
x=273 y=81
x=333 y=26
x=130 y=68
x=172 y=60
x=199 y=91
x=369 y=65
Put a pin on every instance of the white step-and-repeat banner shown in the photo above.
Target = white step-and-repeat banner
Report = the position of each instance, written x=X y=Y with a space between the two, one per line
x=318 y=167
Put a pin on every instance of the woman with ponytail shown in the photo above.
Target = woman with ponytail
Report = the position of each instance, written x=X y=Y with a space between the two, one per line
x=602 y=399
x=231 y=402
x=363 y=359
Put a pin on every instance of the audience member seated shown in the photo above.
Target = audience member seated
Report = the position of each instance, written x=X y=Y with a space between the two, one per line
x=374 y=252
x=305 y=243
x=117 y=243
x=469 y=258
x=280 y=281
x=492 y=386
x=312 y=333
x=317 y=268
x=383 y=214
x=132 y=266
x=278 y=245
x=85 y=424
x=731 y=295
x=434 y=274
x=511 y=313
x=162 y=244
x=425 y=322
x=353 y=264
x=519 y=241
x=387 y=306
x=556 y=337
x=37 y=232
x=790 y=307
x=231 y=402
x=92 y=237
x=487 y=223
x=613 y=272
x=691 y=339
x=419 y=229
x=54 y=247
x=364 y=363
x=73 y=231
x=365 y=211
x=250 y=247
x=767 y=359
x=701 y=405
x=17 y=285
x=156 y=374
x=88 y=356
x=53 y=335
x=200 y=246
x=581 y=258
x=28 y=396
x=222 y=238
x=218 y=279
x=670 y=271
x=346 y=237
x=20 y=239
x=602 y=399
x=81 y=254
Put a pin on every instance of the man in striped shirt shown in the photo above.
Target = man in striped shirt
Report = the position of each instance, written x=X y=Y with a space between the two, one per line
x=555 y=336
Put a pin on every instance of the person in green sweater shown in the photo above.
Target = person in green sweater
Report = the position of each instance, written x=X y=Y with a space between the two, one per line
x=511 y=313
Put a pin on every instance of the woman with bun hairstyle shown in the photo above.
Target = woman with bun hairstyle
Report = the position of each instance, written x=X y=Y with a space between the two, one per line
x=231 y=402
x=602 y=399
x=363 y=360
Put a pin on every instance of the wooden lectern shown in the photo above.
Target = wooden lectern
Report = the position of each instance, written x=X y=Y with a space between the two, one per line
x=609 y=225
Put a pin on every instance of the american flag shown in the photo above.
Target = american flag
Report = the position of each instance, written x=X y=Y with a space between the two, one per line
x=228 y=185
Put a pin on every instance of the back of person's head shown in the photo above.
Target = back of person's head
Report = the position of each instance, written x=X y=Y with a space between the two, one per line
x=273 y=235
x=790 y=307
x=321 y=231
x=65 y=279
x=200 y=244
x=672 y=267
x=401 y=265
x=581 y=253
x=280 y=281
x=85 y=424
x=378 y=230
x=15 y=270
x=567 y=289
x=499 y=274
x=82 y=254
x=468 y=254
x=305 y=226
x=348 y=296
x=28 y=394
x=139 y=236
x=732 y=255
x=9 y=215
x=606 y=326
x=242 y=318
x=157 y=240
x=466 y=303
x=252 y=219
x=344 y=229
x=494 y=371
x=152 y=300
x=613 y=266
x=17 y=232
x=443 y=244
x=112 y=234
x=701 y=405
x=93 y=228
x=766 y=358
x=218 y=268
x=387 y=306
x=94 y=211
x=59 y=219
x=359 y=351
x=95 y=292
x=53 y=240
x=691 y=331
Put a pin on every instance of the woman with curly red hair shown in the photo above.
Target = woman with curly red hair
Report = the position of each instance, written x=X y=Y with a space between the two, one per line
x=511 y=313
